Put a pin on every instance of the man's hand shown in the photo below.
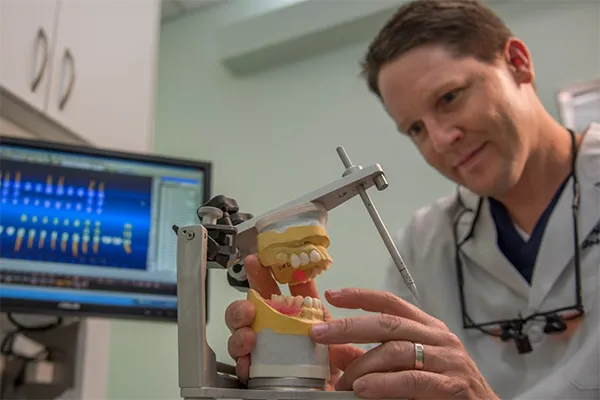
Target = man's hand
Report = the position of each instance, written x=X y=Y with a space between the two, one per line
x=240 y=315
x=388 y=371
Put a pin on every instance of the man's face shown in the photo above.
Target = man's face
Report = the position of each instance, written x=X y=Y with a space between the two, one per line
x=463 y=115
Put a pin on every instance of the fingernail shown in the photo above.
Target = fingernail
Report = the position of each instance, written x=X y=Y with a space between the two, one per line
x=320 y=329
x=334 y=292
x=359 y=386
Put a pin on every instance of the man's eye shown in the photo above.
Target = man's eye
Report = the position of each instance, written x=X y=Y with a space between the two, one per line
x=415 y=129
x=449 y=97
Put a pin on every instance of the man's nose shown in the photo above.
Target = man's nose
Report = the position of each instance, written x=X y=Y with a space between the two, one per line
x=444 y=137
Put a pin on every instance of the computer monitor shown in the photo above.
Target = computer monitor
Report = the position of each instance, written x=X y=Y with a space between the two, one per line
x=88 y=232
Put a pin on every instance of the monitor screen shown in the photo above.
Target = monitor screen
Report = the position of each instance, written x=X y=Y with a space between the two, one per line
x=89 y=232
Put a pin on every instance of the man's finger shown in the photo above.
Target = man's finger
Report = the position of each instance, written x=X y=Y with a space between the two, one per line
x=378 y=301
x=376 y=328
x=238 y=314
x=392 y=357
x=305 y=289
x=241 y=342
x=242 y=368
x=260 y=278
x=342 y=355
x=406 y=385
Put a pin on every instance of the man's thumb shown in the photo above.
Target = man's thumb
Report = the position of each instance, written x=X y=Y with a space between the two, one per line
x=342 y=355
x=260 y=278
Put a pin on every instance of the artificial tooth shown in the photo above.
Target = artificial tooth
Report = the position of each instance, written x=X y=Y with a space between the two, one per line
x=303 y=258
x=294 y=260
x=315 y=256
x=277 y=298
x=282 y=257
x=289 y=300
x=308 y=302
x=298 y=300
x=314 y=272
x=317 y=303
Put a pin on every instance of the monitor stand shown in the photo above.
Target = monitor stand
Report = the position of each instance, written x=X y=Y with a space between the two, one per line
x=80 y=355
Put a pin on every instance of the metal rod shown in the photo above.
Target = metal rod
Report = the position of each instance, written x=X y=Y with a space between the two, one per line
x=226 y=368
x=383 y=232
x=344 y=156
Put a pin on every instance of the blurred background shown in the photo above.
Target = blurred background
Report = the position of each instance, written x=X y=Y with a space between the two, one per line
x=262 y=91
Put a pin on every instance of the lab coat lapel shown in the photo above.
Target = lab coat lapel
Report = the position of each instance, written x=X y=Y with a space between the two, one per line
x=556 y=251
x=483 y=251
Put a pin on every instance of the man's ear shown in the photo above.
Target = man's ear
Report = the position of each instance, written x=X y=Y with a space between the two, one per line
x=519 y=61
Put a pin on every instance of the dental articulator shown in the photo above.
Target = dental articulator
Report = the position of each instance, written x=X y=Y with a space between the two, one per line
x=292 y=241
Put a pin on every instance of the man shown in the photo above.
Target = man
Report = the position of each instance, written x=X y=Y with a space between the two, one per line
x=461 y=88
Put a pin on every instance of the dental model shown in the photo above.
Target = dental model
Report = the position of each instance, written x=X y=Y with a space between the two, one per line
x=284 y=354
x=285 y=314
x=294 y=242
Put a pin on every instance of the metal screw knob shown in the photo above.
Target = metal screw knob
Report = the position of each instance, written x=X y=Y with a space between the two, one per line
x=209 y=215
x=380 y=181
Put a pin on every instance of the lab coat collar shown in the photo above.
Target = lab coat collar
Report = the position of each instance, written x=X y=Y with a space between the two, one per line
x=556 y=250
x=483 y=251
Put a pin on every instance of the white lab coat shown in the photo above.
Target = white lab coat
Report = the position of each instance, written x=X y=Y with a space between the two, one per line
x=558 y=367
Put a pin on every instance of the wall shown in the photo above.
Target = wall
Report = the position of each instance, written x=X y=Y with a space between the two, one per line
x=273 y=136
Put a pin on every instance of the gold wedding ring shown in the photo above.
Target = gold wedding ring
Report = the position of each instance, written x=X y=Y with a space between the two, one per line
x=419 y=356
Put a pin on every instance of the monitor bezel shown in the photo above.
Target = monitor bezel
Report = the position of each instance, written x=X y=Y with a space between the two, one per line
x=22 y=306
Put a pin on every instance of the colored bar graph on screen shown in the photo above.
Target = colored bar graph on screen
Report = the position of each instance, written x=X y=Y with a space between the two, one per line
x=74 y=216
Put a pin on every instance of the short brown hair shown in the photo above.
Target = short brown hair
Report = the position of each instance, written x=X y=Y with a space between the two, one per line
x=466 y=27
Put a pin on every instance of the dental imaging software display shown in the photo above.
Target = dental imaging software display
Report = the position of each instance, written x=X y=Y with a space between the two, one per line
x=89 y=231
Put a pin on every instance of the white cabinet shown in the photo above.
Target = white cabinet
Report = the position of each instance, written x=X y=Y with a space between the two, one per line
x=104 y=71
x=100 y=77
x=26 y=39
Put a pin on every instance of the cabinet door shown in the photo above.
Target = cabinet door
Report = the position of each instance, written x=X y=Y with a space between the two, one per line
x=26 y=38
x=103 y=84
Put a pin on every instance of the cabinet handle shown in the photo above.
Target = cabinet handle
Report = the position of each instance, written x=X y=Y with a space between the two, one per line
x=68 y=59
x=41 y=37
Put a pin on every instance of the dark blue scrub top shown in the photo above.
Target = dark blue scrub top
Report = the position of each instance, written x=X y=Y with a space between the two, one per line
x=520 y=252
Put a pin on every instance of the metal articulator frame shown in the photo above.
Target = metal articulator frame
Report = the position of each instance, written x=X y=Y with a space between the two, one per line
x=200 y=375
